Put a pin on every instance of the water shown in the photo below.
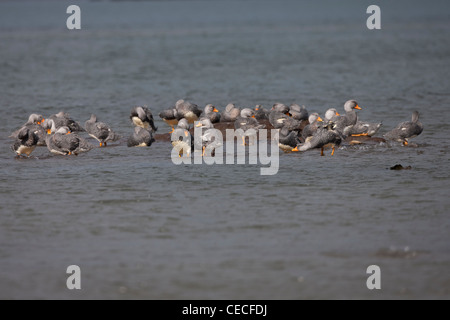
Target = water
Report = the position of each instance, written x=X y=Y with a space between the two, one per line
x=140 y=227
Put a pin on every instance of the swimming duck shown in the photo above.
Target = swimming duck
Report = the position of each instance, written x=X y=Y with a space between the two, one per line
x=211 y=113
x=298 y=113
x=406 y=130
x=25 y=143
x=141 y=138
x=65 y=143
x=231 y=113
x=143 y=117
x=188 y=110
x=100 y=131
x=324 y=136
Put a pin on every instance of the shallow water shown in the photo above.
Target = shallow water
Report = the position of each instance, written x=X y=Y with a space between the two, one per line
x=141 y=227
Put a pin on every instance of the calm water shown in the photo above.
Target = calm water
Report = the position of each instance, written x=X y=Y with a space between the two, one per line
x=140 y=227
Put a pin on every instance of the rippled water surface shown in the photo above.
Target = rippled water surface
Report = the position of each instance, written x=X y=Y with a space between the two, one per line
x=141 y=227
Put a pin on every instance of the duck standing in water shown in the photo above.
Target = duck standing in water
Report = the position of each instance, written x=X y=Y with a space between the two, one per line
x=345 y=123
x=170 y=116
x=188 y=111
x=63 y=119
x=322 y=138
x=25 y=143
x=143 y=117
x=63 y=142
x=100 y=131
x=182 y=138
x=140 y=138
x=35 y=124
x=406 y=130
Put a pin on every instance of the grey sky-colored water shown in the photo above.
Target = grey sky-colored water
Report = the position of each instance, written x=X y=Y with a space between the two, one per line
x=140 y=227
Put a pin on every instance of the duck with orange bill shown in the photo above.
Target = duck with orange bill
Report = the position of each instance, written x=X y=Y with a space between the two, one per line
x=345 y=123
x=299 y=113
x=34 y=123
x=288 y=140
x=314 y=123
x=325 y=137
x=279 y=117
x=211 y=113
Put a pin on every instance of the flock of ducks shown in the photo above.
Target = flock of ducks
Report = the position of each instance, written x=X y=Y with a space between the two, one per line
x=299 y=130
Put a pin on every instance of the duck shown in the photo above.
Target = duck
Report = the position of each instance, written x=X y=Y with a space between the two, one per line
x=34 y=124
x=63 y=119
x=140 y=138
x=231 y=113
x=188 y=111
x=279 y=117
x=299 y=113
x=365 y=129
x=331 y=115
x=141 y=116
x=202 y=141
x=288 y=140
x=25 y=143
x=100 y=131
x=345 y=123
x=406 y=130
x=211 y=113
x=261 y=114
x=324 y=136
x=182 y=139
x=314 y=120
x=63 y=142
x=170 y=116
x=247 y=121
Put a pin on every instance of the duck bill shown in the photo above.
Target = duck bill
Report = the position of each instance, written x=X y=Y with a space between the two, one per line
x=358 y=107
x=199 y=125
x=215 y=110
x=49 y=131
x=338 y=114
x=319 y=119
